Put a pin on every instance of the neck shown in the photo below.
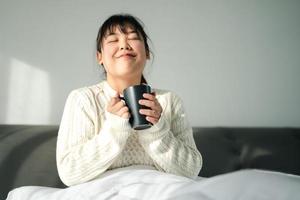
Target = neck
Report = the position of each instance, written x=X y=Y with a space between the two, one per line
x=120 y=84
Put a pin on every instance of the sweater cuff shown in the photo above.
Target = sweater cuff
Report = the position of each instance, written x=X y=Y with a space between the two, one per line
x=117 y=123
x=158 y=130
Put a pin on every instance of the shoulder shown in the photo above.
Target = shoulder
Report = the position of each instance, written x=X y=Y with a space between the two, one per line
x=86 y=94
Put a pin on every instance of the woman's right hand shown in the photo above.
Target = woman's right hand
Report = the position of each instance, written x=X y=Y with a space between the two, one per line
x=117 y=107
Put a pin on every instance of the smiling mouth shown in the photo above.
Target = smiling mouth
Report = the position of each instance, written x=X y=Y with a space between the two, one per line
x=127 y=55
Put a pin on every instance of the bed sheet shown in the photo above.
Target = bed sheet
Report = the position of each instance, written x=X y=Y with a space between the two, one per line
x=141 y=182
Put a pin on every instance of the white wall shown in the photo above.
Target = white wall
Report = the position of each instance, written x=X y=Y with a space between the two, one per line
x=234 y=63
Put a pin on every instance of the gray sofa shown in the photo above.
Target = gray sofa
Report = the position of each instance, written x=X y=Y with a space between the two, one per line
x=27 y=153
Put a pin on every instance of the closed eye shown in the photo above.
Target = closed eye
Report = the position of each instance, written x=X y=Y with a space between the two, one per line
x=112 y=41
x=111 y=38
x=133 y=36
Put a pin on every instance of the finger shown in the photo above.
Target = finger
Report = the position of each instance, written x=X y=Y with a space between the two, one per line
x=112 y=101
x=124 y=112
x=150 y=113
x=118 y=106
x=152 y=120
x=114 y=105
x=149 y=96
x=148 y=103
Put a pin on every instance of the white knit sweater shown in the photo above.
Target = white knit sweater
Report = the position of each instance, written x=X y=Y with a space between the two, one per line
x=91 y=140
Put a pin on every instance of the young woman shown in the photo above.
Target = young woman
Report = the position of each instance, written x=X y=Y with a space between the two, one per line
x=95 y=134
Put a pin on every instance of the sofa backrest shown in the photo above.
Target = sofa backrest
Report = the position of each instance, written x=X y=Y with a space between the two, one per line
x=227 y=149
x=27 y=157
x=27 y=153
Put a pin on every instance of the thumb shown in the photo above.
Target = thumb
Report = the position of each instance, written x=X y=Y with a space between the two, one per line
x=116 y=95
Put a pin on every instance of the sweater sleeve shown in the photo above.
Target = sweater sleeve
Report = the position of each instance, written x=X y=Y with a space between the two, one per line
x=171 y=144
x=82 y=154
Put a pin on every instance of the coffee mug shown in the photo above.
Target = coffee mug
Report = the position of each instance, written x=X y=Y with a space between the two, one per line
x=132 y=95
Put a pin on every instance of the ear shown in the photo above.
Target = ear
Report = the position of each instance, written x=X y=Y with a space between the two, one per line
x=147 y=55
x=99 y=58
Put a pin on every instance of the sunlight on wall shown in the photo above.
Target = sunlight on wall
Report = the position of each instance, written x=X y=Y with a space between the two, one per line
x=28 y=94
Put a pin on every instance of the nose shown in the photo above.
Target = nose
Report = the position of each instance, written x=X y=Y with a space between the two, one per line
x=124 y=45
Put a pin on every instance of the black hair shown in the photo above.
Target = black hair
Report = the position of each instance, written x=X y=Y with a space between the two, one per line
x=122 y=21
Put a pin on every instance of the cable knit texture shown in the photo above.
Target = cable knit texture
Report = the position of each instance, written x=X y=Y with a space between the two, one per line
x=91 y=140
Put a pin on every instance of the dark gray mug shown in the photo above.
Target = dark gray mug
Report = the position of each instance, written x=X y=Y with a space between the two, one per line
x=132 y=95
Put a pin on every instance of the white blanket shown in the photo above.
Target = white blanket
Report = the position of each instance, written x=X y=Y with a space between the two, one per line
x=140 y=182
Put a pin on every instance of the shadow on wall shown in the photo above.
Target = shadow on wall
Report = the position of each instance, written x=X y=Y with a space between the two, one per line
x=37 y=53
x=28 y=95
x=48 y=49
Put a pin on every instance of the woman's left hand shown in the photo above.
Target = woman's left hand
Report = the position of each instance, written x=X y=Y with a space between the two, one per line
x=153 y=114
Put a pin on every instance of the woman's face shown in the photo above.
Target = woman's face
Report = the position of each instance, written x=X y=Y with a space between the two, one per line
x=123 y=54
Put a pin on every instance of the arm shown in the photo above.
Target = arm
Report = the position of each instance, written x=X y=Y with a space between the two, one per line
x=82 y=154
x=171 y=144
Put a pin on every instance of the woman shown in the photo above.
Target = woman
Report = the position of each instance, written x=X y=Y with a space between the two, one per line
x=95 y=134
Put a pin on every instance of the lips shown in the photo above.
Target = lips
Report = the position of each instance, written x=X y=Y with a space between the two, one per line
x=127 y=55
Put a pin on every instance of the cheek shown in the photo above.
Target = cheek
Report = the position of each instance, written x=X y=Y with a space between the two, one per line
x=141 y=48
x=109 y=50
